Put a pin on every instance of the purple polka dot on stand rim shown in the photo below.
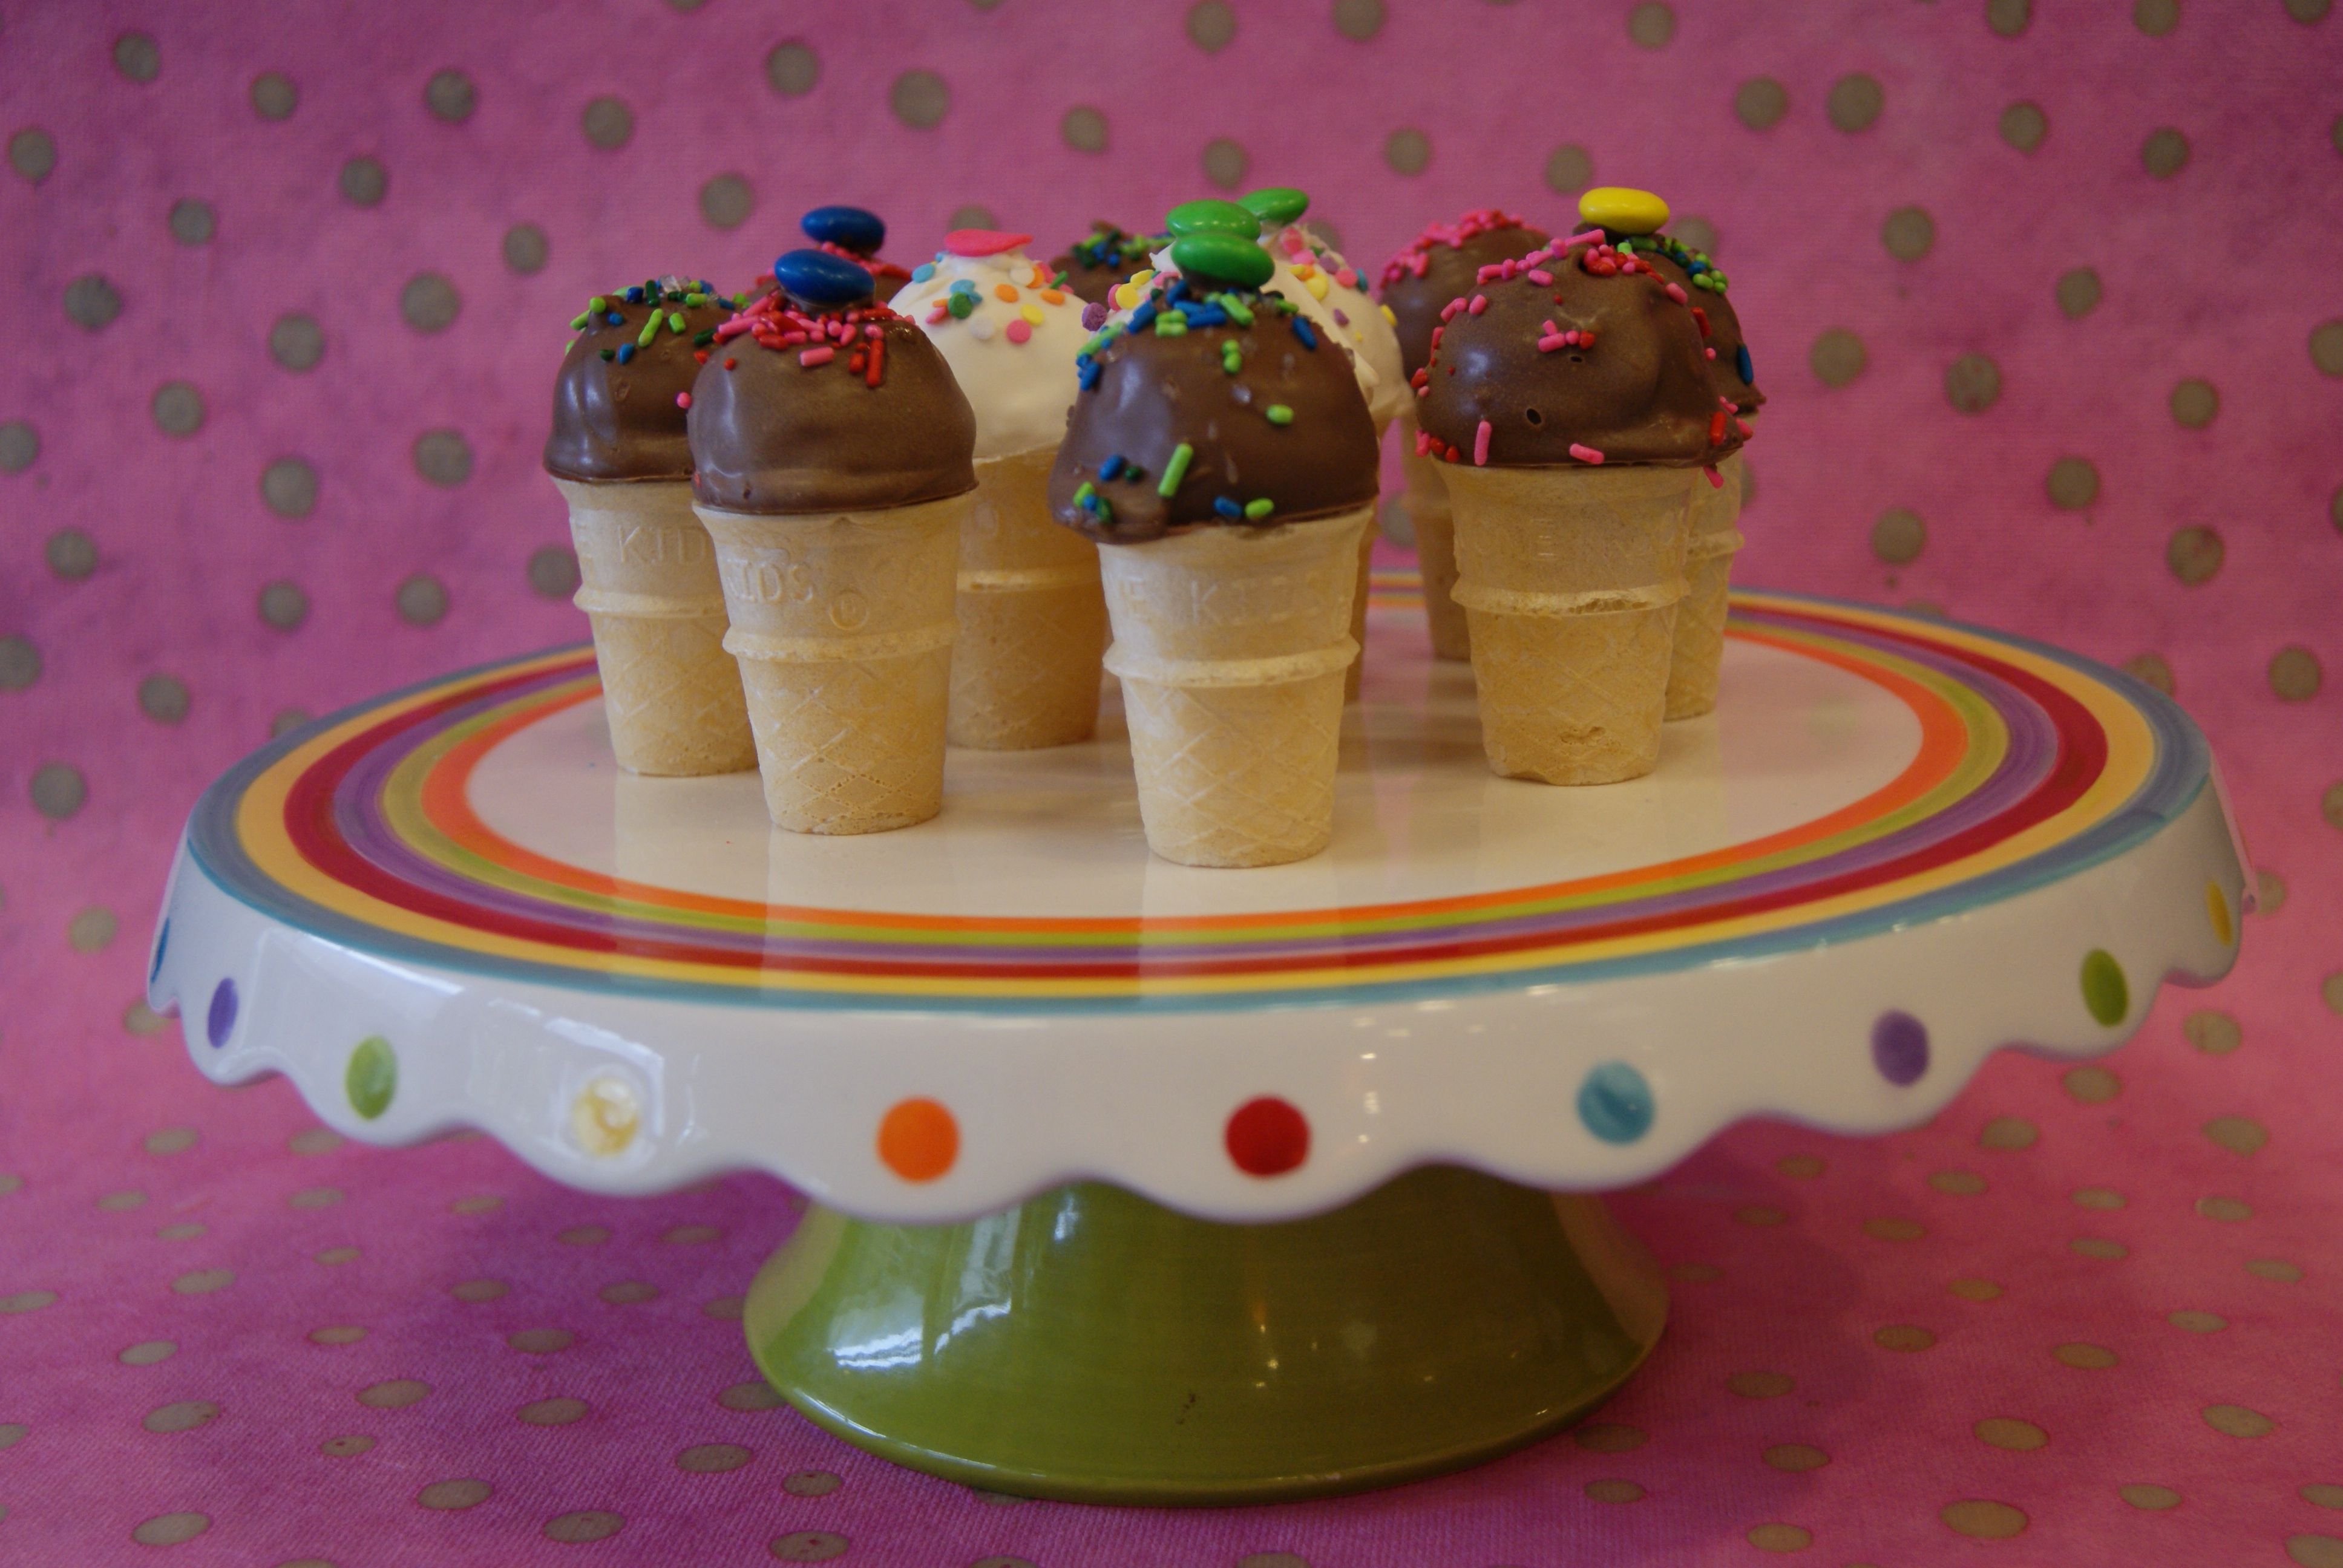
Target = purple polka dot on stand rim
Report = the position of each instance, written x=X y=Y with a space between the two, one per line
x=221 y=1020
x=162 y=945
x=1899 y=1047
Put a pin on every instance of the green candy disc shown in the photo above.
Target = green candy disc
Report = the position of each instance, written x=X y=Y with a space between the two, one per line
x=1212 y=216
x=1276 y=205
x=1223 y=256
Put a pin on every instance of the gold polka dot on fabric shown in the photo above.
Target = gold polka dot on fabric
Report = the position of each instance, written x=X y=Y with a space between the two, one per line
x=1614 y=1492
x=172 y=1141
x=1652 y=24
x=1960 y=1183
x=1855 y=102
x=2269 y=891
x=2315 y=1551
x=2152 y=668
x=2237 y=1421
x=2092 y=1085
x=1609 y=1437
x=2238 y=1134
x=348 y=1447
x=2008 y=1133
x=712 y=1458
x=338 y=1335
x=314 y=1141
x=204 y=1281
x=584 y=1236
x=2294 y=674
x=397 y=1393
x=1800 y=1167
x=1899 y=536
x=2009 y=1432
x=724 y=1308
x=2165 y=153
x=750 y=1396
x=2024 y=127
x=2194 y=554
x=480 y=1291
x=478 y=1204
x=1983 y=1519
x=2078 y=293
x=2214 y=1032
x=1225 y=163
x=1777 y=1537
x=453 y=1496
x=2227 y=1210
x=2155 y=1499
x=1907 y=1337
x=148 y=1352
x=314 y=1198
x=2323 y=1495
x=1975 y=1289
x=2072 y=483
x=1796 y=1457
x=2098 y=1198
x=558 y=1411
x=2099 y=1247
x=541 y=1341
x=170 y=1529
x=1837 y=357
x=2194 y=403
x=1894 y=1230
x=2198 y=1322
x=1760 y=1384
x=584 y=1525
x=1760 y=103
x=2276 y=1269
x=629 y=1292
x=1760 y=1215
x=184 y=1415
x=810 y=1483
x=334 y=1257
x=2086 y=1358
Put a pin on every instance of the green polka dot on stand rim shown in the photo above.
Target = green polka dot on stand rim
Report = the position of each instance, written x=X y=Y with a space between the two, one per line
x=2105 y=994
x=372 y=1077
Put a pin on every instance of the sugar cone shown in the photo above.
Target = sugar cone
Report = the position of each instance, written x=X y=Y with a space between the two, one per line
x=670 y=692
x=843 y=624
x=1700 y=616
x=1033 y=616
x=1356 y=673
x=1230 y=644
x=1570 y=578
x=1429 y=509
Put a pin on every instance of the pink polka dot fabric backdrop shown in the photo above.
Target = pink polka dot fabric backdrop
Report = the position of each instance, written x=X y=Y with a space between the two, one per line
x=2044 y=297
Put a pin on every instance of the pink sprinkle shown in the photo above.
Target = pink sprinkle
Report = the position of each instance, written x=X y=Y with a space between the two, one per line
x=1508 y=267
x=813 y=357
x=1436 y=332
x=1552 y=341
x=1449 y=310
x=1743 y=426
x=1017 y=331
x=1710 y=352
x=1585 y=454
x=1348 y=278
x=872 y=330
x=1574 y=337
x=1677 y=293
x=938 y=313
x=1539 y=276
x=1480 y=303
x=788 y=337
x=732 y=329
x=1422 y=441
x=683 y=399
x=1489 y=273
x=1293 y=243
x=1726 y=404
x=1481 y=446
x=1716 y=479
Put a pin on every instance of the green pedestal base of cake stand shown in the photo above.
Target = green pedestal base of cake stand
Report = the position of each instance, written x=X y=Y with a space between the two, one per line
x=1091 y=1346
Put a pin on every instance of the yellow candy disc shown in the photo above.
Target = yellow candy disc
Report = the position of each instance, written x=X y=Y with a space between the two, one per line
x=1623 y=210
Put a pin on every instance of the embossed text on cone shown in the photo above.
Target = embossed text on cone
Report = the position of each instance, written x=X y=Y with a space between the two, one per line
x=1033 y=615
x=1569 y=578
x=1430 y=512
x=843 y=623
x=670 y=692
x=1230 y=644
x=1708 y=570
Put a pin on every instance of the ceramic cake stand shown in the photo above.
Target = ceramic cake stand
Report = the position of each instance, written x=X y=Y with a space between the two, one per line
x=1139 y=1182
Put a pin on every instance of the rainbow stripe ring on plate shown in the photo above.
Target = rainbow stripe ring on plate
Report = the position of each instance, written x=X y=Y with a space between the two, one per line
x=1898 y=845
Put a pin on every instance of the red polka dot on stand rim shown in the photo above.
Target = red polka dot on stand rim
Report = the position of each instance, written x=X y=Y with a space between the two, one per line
x=1268 y=1137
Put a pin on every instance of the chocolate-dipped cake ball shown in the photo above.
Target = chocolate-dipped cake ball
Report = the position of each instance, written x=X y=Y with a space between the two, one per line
x=1103 y=259
x=1440 y=264
x=855 y=235
x=1732 y=372
x=616 y=408
x=817 y=398
x=1213 y=405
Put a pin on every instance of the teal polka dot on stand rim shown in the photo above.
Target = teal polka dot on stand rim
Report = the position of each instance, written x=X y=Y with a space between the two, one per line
x=1615 y=1103
x=372 y=1080
x=2104 y=990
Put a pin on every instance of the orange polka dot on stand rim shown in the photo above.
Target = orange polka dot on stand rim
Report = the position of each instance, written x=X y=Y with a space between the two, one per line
x=919 y=1139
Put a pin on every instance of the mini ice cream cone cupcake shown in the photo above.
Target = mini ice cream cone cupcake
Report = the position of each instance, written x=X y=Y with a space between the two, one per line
x=1222 y=454
x=1715 y=507
x=1032 y=619
x=1103 y=260
x=830 y=450
x=1574 y=428
x=618 y=454
x=855 y=235
x=1438 y=265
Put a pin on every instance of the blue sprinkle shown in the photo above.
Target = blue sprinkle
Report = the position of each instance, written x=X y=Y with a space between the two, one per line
x=625 y=352
x=1301 y=330
x=1177 y=290
x=924 y=271
x=1741 y=363
x=615 y=319
x=634 y=296
x=1110 y=468
x=1211 y=316
x=1090 y=375
x=1615 y=1103
x=962 y=286
x=1140 y=317
x=1226 y=508
x=220 y=1023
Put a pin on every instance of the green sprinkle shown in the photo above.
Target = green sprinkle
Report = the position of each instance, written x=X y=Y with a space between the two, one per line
x=1230 y=360
x=702 y=339
x=962 y=305
x=1256 y=510
x=595 y=305
x=610 y=353
x=1084 y=495
x=371 y=1080
x=581 y=321
x=1170 y=324
x=1278 y=414
x=694 y=298
x=1175 y=470
x=675 y=321
x=650 y=330
x=1238 y=312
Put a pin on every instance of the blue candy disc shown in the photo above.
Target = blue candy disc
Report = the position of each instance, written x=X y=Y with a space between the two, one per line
x=818 y=278
x=849 y=227
x=1741 y=363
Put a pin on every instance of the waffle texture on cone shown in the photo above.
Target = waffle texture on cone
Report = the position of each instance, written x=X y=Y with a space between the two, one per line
x=1579 y=354
x=1708 y=572
x=805 y=407
x=670 y=693
x=1033 y=616
x=619 y=399
x=1442 y=263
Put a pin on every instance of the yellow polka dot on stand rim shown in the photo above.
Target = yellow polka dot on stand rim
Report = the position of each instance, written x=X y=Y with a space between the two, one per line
x=1621 y=210
x=919 y=1139
x=2218 y=907
x=605 y=1115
